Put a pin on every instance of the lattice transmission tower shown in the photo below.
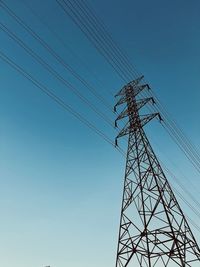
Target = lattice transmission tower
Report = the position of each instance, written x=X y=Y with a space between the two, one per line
x=153 y=229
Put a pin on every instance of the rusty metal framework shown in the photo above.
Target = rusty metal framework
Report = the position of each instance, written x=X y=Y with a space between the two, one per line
x=153 y=229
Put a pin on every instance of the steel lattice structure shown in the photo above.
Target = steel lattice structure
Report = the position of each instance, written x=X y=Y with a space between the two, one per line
x=153 y=229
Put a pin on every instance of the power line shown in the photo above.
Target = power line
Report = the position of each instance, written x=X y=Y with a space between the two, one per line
x=91 y=37
x=68 y=47
x=93 y=24
x=191 y=159
x=102 y=31
x=180 y=139
x=181 y=185
x=44 y=64
x=54 y=73
x=54 y=97
x=54 y=54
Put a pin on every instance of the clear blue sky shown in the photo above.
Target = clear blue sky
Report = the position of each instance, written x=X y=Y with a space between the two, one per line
x=61 y=185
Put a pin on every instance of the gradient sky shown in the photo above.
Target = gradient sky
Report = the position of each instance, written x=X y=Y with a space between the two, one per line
x=61 y=184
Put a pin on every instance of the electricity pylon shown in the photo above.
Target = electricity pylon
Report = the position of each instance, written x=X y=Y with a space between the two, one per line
x=153 y=229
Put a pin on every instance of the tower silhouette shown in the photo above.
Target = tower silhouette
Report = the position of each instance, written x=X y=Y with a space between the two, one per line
x=153 y=229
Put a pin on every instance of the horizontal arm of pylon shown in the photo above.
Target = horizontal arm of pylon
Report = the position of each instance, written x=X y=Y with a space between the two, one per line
x=121 y=101
x=136 y=91
x=147 y=118
x=144 y=119
x=133 y=83
x=140 y=104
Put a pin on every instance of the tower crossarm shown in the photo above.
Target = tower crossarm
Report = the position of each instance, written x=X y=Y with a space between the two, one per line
x=135 y=89
x=144 y=119
x=140 y=104
x=133 y=83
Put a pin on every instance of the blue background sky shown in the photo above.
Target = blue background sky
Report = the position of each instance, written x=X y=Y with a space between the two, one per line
x=61 y=184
